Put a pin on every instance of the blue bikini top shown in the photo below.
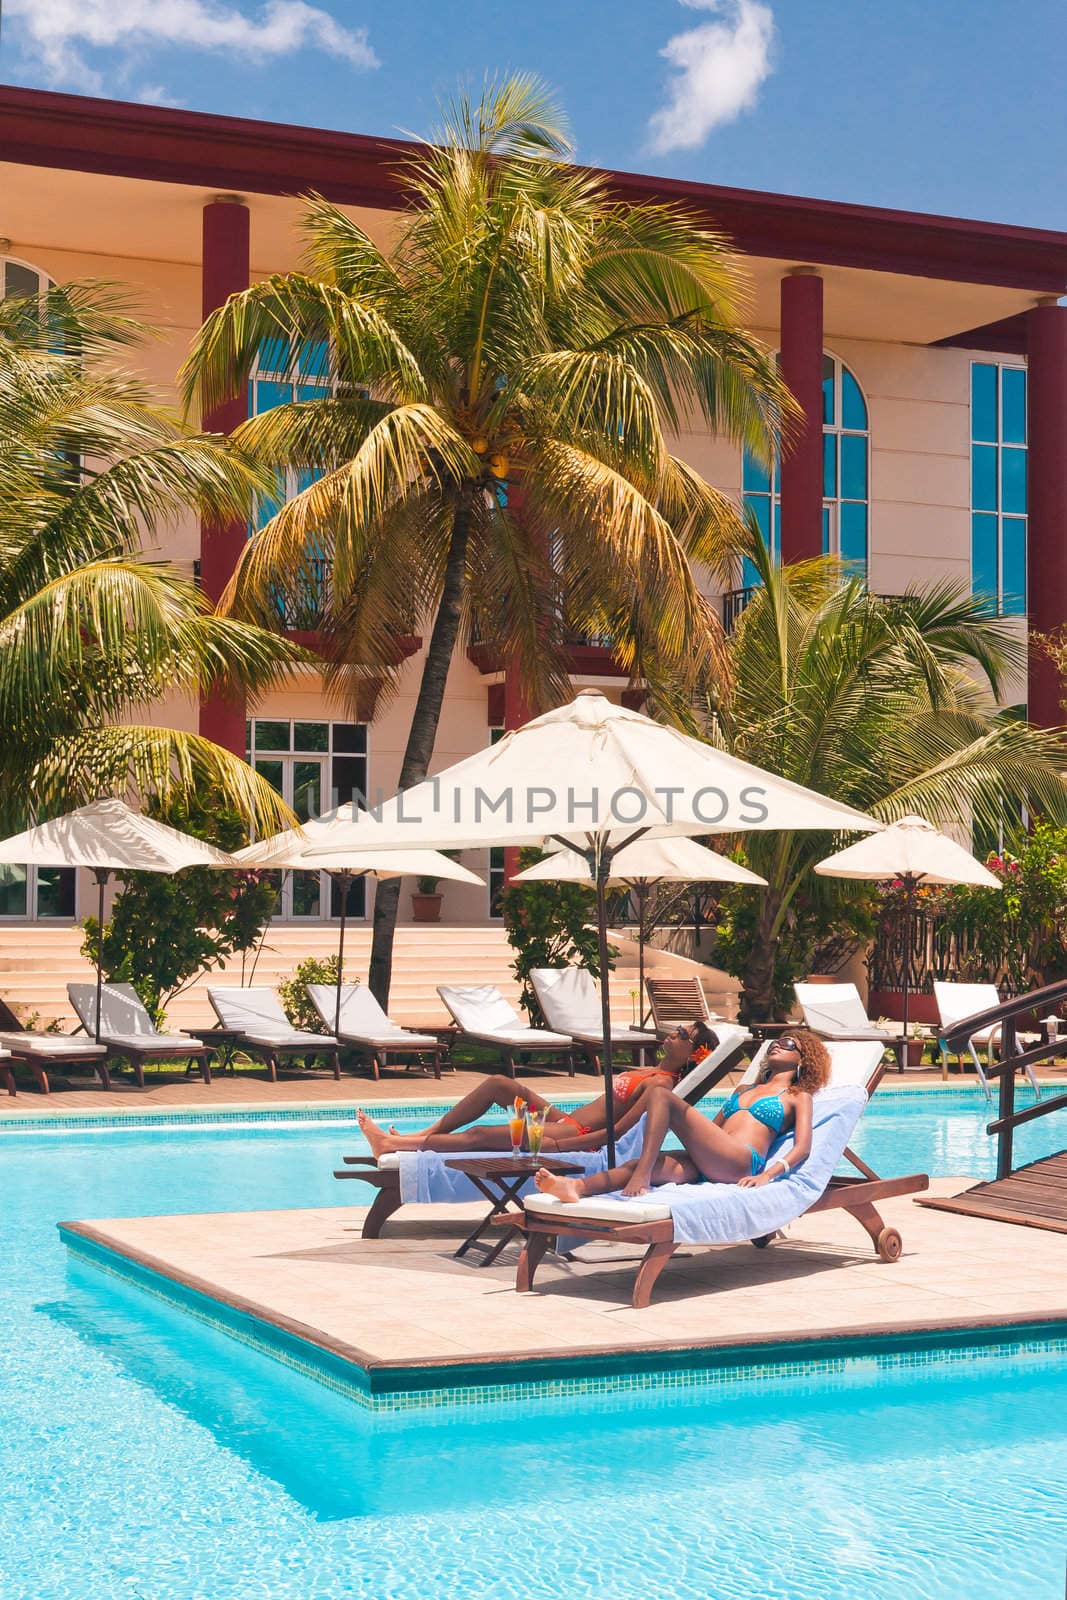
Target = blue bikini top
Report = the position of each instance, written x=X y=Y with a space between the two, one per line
x=770 y=1110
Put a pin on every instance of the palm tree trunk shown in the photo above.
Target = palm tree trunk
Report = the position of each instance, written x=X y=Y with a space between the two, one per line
x=757 y=999
x=423 y=732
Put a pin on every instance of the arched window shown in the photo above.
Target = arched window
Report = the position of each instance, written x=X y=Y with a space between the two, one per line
x=846 y=463
x=846 y=474
x=19 y=279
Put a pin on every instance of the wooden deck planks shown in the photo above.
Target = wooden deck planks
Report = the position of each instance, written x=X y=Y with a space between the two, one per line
x=1034 y=1196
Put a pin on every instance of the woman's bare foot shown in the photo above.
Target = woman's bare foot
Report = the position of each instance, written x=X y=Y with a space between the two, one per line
x=639 y=1183
x=381 y=1143
x=568 y=1189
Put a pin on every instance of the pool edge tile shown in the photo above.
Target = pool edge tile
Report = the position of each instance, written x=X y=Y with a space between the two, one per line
x=401 y=1385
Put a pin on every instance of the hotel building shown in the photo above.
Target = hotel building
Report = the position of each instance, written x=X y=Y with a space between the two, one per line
x=929 y=354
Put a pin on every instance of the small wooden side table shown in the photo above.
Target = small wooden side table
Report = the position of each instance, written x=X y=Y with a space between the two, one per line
x=500 y=1178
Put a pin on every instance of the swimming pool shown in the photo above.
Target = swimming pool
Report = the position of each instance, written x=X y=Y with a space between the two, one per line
x=144 y=1455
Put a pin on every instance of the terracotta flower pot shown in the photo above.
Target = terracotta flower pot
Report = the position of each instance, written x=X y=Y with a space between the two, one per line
x=425 y=907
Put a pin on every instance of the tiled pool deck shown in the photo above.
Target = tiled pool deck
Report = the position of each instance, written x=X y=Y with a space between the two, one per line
x=399 y=1317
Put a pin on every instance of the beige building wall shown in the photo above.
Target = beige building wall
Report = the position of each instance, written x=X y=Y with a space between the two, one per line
x=918 y=401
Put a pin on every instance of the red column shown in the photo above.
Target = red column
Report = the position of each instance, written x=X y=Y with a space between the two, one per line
x=1046 y=556
x=224 y=271
x=801 y=470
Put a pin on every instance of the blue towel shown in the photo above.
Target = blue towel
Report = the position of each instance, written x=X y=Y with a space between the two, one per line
x=425 y=1180
x=724 y=1213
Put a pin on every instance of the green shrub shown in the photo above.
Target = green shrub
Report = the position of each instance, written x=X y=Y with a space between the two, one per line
x=294 y=996
x=549 y=925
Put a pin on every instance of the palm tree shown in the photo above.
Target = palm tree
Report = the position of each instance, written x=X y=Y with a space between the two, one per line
x=91 y=631
x=888 y=704
x=527 y=341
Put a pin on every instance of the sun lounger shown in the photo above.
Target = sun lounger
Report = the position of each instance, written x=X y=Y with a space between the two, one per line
x=39 y=1051
x=365 y=1027
x=5 y=1071
x=678 y=1000
x=835 y=1011
x=129 y=1033
x=481 y=1013
x=422 y=1176
x=570 y=1002
x=261 y=1028
x=956 y=1002
x=725 y=1213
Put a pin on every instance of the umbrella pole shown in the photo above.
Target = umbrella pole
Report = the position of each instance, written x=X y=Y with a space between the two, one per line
x=345 y=884
x=102 y=874
x=603 y=863
x=641 y=890
x=909 y=892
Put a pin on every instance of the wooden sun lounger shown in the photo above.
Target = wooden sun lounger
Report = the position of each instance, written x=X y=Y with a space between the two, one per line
x=858 y=1196
x=139 y=1047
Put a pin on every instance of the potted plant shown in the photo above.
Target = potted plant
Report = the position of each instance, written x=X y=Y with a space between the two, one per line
x=917 y=1040
x=426 y=898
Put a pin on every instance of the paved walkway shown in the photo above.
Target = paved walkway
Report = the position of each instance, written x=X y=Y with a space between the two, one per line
x=403 y=1298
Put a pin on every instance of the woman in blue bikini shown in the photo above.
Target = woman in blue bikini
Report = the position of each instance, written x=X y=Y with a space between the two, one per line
x=731 y=1149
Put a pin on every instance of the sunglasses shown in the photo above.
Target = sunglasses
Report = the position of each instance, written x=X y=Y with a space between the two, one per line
x=787 y=1042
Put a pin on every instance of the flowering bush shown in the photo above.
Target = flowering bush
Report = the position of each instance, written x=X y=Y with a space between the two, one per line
x=1015 y=936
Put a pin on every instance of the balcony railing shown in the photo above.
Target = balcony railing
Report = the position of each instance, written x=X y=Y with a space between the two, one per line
x=301 y=608
x=734 y=602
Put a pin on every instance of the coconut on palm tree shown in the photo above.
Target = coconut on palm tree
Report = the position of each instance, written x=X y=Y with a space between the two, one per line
x=494 y=456
x=888 y=704
x=92 y=632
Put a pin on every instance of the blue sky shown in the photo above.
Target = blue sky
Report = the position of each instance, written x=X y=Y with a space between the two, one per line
x=934 y=105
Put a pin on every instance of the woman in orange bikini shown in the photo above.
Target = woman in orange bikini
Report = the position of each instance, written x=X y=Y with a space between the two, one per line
x=585 y=1129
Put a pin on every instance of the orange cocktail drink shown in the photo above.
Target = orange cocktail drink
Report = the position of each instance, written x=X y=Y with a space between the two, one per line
x=517 y=1125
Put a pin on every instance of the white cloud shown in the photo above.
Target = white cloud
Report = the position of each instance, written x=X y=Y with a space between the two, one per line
x=154 y=94
x=56 y=34
x=721 y=66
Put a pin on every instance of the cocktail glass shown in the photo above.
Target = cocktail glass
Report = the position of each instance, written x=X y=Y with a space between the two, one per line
x=517 y=1125
x=535 y=1130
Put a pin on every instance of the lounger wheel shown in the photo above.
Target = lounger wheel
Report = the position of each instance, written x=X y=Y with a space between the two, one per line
x=761 y=1244
x=889 y=1244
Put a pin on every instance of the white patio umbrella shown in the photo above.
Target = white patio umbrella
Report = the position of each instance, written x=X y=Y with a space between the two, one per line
x=290 y=850
x=914 y=851
x=594 y=776
x=639 y=867
x=107 y=836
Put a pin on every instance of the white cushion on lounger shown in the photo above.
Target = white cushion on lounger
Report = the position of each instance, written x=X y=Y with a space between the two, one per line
x=602 y=1210
x=50 y=1044
x=852 y=1063
x=362 y=1018
x=571 y=1003
x=296 y=1037
x=122 y=1012
x=166 y=1043
x=391 y=1160
x=730 y=1036
x=258 y=1015
x=481 y=1010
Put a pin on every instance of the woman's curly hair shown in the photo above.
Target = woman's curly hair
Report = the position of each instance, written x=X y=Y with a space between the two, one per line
x=814 y=1070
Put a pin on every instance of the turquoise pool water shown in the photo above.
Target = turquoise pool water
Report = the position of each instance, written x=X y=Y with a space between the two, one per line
x=146 y=1457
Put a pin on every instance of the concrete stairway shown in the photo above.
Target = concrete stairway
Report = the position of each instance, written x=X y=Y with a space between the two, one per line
x=36 y=963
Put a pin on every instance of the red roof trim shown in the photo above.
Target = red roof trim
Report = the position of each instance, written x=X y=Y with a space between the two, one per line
x=72 y=132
